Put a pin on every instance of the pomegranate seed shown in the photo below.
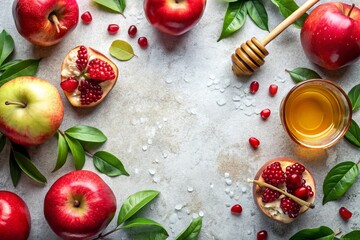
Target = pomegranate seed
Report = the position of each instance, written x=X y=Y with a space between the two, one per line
x=254 y=142
x=302 y=192
x=236 y=209
x=90 y=91
x=293 y=181
x=132 y=31
x=290 y=207
x=86 y=17
x=69 y=84
x=273 y=174
x=254 y=87
x=100 y=70
x=265 y=113
x=345 y=213
x=113 y=28
x=143 y=42
x=82 y=58
x=273 y=89
x=270 y=195
x=262 y=235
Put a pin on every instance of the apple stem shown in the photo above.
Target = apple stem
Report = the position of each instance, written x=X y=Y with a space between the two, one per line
x=57 y=23
x=21 y=104
x=296 y=199
x=351 y=9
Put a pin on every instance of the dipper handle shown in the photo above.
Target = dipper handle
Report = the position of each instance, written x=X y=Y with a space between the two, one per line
x=288 y=21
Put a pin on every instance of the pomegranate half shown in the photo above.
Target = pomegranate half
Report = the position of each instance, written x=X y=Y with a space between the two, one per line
x=87 y=76
x=273 y=209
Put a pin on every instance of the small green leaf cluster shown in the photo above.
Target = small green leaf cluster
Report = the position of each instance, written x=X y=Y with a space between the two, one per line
x=78 y=140
x=153 y=230
x=10 y=69
x=121 y=50
x=324 y=233
x=117 y=6
x=237 y=11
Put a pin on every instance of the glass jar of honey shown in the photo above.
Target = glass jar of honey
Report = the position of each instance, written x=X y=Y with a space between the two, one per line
x=316 y=113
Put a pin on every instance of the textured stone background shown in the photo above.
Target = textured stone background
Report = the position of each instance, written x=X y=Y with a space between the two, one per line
x=180 y=121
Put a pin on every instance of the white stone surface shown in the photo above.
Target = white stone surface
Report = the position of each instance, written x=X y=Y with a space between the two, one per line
x=180 y=101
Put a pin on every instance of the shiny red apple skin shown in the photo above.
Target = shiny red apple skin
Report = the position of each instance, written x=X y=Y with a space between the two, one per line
x=15 y=220
x=96 y=210
x=174 y=17
x=330 y=38
x=33 y=19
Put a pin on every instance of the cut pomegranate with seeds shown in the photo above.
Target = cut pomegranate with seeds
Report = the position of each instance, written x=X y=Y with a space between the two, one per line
x=273 y=174
x=270 y=195
x=87 y=76
x=265 y=113
x=236 y=209
x=290 y=207
x=69 y=84
x=273 y=88
x=254 y=87
x=143 y=42
x=132 y=31
x=345 y=213
x=262 y=235
x=113 y=28
x=254 y=142
x=86 y=17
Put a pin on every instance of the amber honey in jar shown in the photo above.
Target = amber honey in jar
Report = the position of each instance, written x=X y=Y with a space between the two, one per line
x=316 y=113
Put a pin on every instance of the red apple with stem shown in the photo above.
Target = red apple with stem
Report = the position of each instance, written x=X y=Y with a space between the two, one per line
x=15 y=221
x=174 y=17
x=330 y=35
x=45 y=22
x=79 y=205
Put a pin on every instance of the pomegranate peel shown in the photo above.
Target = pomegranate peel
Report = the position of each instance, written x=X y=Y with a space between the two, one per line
x=272 y=209
x=96 y=75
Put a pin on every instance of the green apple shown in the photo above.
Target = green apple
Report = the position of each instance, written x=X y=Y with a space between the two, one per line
x=31 y=110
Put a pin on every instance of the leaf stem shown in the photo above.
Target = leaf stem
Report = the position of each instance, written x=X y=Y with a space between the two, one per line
x=61 y=132
x=88 y=153
x=296 y=199
x=337 y=232
x=101 y=236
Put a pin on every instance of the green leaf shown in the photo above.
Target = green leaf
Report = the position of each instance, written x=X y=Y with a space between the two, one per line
x=354 y=96
x=63 y=151
x=109 y=164
x=23 y=68
x=77 y=151
x=121 y=50
x=313 y=234
x=257 y=13
x=234 y=19
x=9 y=64
x=150 y=236
x=111 y=5
x=122 y=5
x=144 y=222
x=287 y=7
x=192 y=231
x=353 y=134
x=134 y=203
x=15 y=171
x=354 y=235
x=6 y=46
x=29 y=168
x=302 y=74
x=86 y=134
x=338 y=181
x=2 y=141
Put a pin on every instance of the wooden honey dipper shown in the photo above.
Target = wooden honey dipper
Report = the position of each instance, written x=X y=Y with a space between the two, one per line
x=250 y=55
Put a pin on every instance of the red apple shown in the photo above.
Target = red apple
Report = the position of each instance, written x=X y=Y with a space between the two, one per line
x=31 y=110
x=15 y=221
x=45 y=22
x=79 y=205
x=330 y=35
x=174 y=17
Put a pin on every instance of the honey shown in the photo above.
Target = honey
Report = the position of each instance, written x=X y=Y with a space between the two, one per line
x=316 y=113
